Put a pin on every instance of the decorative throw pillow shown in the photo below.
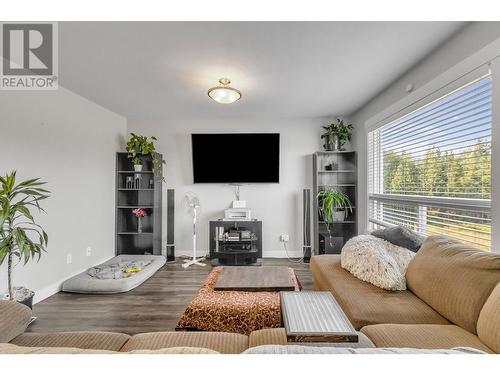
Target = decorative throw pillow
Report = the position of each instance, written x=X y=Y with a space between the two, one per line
x=376 y=261
x=401 y=236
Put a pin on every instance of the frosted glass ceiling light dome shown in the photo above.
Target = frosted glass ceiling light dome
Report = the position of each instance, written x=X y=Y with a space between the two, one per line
x=223 y=93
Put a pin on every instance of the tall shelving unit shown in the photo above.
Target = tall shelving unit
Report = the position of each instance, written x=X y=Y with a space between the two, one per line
x=342 y=175
x=144 y=192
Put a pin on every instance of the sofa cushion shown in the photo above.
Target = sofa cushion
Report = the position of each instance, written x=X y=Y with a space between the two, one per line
x=364 y=303
x=14 y=349
x=269 y=336
x=422 y=336
x=488 y=324
x=401 y=236
x=14 y=319
x=82 y=340
x=454 y=279
x=222 y=342
x=306 y=349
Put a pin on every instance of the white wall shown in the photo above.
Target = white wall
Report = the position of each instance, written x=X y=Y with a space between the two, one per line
x=472 y=47
x=69 y=142
x=279 y=206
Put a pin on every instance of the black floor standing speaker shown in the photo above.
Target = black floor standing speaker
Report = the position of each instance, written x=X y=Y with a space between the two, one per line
x=306 y=224
x=170 y=225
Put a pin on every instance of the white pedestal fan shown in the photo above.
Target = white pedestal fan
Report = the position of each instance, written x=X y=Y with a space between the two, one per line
x=192 y=203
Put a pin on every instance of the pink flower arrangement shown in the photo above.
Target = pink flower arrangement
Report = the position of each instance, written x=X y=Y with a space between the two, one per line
x=139 y=212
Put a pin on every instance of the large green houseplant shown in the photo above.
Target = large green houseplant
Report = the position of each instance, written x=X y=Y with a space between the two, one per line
x=336 y=135
x=139 y=145
x=333 y=207
x=20 y=236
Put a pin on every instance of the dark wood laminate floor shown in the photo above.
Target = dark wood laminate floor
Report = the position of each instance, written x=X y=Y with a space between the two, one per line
x=156 y=305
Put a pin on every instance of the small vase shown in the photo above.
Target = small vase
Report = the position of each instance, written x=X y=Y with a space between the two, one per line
x=138 y=167
x=328 y=146
x=139 y=225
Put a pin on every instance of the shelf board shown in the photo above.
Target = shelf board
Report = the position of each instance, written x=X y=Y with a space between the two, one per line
x=225 y=242
x=339 y=171
x=132 y=172
x=333 y=185
x=135 y=233
x=335 y=152
x=235 y=252
x=340 y=222
x=125 y=189
x=135 y=206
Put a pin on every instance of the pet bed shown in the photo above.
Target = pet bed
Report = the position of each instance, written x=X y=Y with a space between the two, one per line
x=85 y=283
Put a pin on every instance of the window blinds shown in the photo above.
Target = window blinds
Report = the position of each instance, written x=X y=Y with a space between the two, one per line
x=431 y=169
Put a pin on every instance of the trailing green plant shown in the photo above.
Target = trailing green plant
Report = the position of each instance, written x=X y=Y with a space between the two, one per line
x=20 y=235
x=341 y=129
x=331 y=200
x=142 y=145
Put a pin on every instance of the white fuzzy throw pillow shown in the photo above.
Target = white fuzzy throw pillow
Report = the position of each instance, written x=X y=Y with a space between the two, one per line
x=376 y=261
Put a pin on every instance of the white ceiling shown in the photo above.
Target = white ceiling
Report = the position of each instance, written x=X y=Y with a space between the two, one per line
x=162 y=70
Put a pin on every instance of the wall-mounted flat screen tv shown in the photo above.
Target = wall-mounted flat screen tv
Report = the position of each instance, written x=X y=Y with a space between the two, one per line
x=236 y=158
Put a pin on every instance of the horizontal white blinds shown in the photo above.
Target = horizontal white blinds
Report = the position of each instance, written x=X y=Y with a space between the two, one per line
x=441 y=150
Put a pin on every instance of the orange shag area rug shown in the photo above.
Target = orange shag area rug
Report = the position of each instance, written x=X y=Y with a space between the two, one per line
x=232 y=311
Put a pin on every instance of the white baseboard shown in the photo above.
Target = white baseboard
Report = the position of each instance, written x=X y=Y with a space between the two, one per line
x=282 y=254
x=55 y=287
x=48 y=291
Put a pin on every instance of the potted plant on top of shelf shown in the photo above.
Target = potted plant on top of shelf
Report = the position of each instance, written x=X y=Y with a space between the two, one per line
x=20 y=236
x=336 y=135
x=142 y=145
x=333 y=207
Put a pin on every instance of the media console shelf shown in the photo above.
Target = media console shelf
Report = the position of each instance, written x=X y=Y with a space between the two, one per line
x=236 y=243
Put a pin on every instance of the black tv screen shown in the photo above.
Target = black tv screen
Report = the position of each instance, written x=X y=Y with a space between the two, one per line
x=236 y=158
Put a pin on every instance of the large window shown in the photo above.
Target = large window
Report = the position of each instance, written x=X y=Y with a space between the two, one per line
x=430 y=170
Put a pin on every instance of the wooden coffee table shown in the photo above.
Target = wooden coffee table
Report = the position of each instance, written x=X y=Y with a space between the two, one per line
x=255 y=279
x=315 y=317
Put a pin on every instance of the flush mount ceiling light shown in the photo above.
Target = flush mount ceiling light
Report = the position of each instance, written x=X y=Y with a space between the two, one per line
x=224 y=93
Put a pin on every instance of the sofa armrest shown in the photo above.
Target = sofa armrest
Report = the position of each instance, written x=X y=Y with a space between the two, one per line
x=270 y=336
x=15 y=318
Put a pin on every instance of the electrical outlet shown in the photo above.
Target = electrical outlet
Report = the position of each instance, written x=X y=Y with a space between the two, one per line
x=69 y=258
x=284 y=238
x=88 y=251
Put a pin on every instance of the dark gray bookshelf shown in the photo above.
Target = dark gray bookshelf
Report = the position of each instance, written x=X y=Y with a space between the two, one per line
x=343 y=177
x=147 y=195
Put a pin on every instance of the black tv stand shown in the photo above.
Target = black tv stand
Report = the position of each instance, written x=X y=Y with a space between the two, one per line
x=236 y=243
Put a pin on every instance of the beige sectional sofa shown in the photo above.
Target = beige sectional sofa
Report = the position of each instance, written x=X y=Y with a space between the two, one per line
x=14 y=319
x=452 y=300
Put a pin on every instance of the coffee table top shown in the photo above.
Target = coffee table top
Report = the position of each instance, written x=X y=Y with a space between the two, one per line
x=255 y=279
x=315 y=316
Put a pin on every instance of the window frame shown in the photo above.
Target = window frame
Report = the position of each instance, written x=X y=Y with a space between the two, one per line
x=376 y=192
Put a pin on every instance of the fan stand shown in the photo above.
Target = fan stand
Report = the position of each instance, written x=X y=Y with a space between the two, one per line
x=194 y=260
